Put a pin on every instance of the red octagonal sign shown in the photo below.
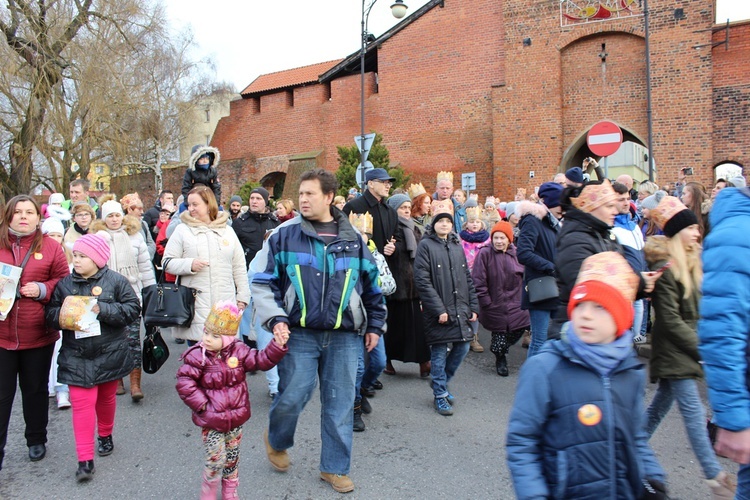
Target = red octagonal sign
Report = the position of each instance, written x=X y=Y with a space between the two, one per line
x=604 y=138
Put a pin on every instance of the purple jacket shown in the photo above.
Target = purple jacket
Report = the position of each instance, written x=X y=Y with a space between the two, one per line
x=498 y=278
x=222 y=388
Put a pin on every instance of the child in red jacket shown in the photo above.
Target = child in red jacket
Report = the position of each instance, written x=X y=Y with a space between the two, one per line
x=212 y=383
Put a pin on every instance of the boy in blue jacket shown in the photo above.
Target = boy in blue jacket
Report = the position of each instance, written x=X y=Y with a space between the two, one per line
x=575 y=430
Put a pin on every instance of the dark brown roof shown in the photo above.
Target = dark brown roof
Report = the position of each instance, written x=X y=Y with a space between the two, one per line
x=288 y=78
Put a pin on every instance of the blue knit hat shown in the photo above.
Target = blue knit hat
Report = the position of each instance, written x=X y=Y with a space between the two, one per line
x=575 y=174
x=550 y=193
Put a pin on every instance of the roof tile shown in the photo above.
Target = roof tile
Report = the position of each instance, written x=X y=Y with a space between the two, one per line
x=289 y=77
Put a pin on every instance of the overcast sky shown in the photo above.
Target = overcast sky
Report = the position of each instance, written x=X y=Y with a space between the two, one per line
x=249 y=39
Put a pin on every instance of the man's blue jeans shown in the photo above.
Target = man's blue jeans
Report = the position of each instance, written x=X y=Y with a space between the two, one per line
x=539 y=325
x=743 y=483
x=685 y=391
x=444 y=365
x=367 y=377
x=330 y=356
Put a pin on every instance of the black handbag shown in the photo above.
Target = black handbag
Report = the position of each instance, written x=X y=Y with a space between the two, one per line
x=168 y=304
x=155 y=350
x=541 y=289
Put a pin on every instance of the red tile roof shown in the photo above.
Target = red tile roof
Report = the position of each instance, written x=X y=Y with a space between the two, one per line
x=289 y=77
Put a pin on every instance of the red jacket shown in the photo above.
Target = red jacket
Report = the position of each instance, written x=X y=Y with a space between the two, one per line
x=25 y=328
x=218 y=381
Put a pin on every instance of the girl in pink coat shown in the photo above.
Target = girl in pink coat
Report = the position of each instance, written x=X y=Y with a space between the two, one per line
x=212 y=383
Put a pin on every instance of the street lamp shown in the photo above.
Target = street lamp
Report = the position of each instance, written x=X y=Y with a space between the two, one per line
x=398 y=9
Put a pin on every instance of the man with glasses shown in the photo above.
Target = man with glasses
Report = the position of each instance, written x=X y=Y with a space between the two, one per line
x=384 y=222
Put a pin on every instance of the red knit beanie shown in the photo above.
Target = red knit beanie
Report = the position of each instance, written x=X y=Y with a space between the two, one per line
x=503 y=227
x=606 y=296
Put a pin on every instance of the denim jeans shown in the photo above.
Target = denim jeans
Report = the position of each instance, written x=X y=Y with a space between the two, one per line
x=743 y=483
x=539 y=324
x=330 y=356
x=366 y=377
x=646 y=313
x=637 y=316
x=445 y=364
x=685 y=391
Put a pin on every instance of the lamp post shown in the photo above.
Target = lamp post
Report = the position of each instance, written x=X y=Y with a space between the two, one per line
x=398 y=9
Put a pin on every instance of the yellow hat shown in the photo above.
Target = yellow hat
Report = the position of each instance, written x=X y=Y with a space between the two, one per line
x=224 y=318
x=415 y=190
x=473 y=213
x=363 y=222
x=441 y=206
x=445 y=176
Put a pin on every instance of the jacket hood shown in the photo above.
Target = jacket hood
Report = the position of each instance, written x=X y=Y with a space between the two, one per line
x=656 y=249
x=526 y=207
x=218 y=223
x=730 y=203
x=199 y=151
x=130 y=223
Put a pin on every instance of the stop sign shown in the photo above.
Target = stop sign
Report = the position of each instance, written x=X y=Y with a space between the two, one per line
x=604 y=138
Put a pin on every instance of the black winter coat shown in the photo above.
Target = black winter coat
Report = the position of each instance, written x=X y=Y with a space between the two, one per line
x=536 y=250
x=208 y=177
x=94 y=360
x=582 y=236
x=444 y=284
x=251 y=231
x=384 y=218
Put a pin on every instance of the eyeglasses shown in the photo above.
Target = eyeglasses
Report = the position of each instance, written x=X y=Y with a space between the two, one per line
x=385 y=183
x=82 y=215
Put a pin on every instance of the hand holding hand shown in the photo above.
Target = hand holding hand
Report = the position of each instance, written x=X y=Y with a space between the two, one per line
x=198 y=265
x=443 y=318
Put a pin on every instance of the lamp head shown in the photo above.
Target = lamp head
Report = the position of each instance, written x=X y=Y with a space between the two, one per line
x=398 y=9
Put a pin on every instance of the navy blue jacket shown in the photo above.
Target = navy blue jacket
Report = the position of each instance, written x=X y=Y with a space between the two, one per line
x=300 y=280
x=724 y=327
x=536 y=249
x=552 y=453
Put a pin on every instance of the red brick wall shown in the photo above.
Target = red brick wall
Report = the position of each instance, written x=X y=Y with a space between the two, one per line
x=458 y=90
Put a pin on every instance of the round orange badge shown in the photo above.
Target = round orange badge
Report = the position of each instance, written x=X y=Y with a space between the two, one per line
x=589 y=414
x=233 y=362
x=38 y=256
x=96 y=291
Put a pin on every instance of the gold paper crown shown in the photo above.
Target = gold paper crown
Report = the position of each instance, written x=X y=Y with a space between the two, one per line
x=439 y=207
x=363 y=222
x=612 y=269
x=224 y=318
x=445 y=176
x=415 y=190
x=473 y=213
x=668 y=207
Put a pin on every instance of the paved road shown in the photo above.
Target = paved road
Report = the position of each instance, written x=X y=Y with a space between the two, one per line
x=408 y=450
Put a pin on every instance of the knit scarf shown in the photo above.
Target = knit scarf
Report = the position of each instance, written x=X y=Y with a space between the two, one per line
x=122 y=258
x=409 y=238
x=478 y=237
x=603 y=358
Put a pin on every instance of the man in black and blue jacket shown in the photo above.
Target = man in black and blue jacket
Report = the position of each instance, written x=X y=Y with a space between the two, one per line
x=316 y=279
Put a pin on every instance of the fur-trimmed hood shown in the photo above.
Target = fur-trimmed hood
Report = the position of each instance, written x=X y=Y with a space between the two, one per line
x=106 y=197
x=130 y=223
x=656 y=249
x=218 y=223
x=526 y=207
x=199 y=151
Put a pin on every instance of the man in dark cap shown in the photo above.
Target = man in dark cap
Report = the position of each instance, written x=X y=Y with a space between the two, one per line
x=235 y=205
x=251 y=226
x=574 y=177
x=384 y=222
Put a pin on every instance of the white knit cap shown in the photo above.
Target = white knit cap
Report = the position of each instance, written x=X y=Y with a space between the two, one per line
x=56 y=198
x=109 y=207
x=52 y=225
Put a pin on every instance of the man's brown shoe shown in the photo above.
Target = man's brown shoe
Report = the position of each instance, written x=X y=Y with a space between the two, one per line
x=339 y=482
x=279 y=459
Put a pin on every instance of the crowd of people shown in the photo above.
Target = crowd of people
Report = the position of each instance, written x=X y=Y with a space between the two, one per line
x=331 y=290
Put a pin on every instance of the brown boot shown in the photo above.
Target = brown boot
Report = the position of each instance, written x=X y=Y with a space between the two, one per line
x=120 y=388
x=135 y=384
x=475 y=346
x=424 y=369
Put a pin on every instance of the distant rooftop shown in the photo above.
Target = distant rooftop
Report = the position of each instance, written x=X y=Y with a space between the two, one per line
x=288 y=78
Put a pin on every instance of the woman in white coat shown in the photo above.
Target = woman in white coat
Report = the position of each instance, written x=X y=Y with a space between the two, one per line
x=205 y=254
x=128 y=256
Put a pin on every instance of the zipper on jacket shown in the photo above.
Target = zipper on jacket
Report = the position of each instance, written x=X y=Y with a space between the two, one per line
x=340 y=312
x=610 y=434
x=325 y=277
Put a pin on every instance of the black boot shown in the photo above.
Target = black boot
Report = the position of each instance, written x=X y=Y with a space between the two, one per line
x=366 y=407
x=106 y=446
x=85 y=471
x=501 y=365
x=359 y=424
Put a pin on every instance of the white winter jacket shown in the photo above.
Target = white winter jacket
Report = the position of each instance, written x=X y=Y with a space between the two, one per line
x=225 y=278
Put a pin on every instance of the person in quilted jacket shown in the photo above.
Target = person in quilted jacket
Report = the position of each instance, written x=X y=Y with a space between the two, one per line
x=212 y=383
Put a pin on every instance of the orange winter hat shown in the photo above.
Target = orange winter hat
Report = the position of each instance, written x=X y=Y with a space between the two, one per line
x=503 y=227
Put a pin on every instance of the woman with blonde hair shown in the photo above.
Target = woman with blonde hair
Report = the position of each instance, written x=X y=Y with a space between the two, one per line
x=285 y=209
x=675 y=361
